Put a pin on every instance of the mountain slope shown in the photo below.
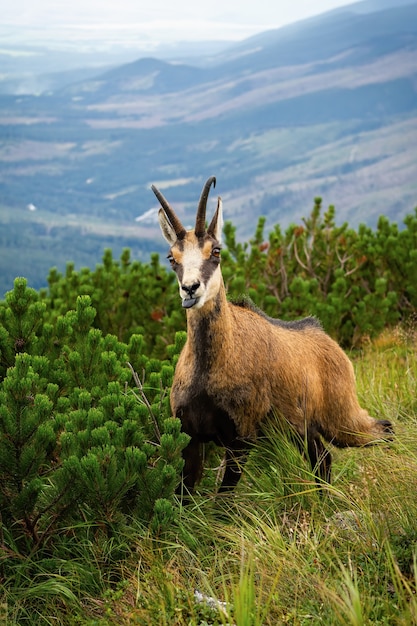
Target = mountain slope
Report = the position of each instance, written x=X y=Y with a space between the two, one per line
x=338 y=39
x=327 y=106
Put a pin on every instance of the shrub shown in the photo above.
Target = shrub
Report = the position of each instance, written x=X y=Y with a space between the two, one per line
x=79 y=439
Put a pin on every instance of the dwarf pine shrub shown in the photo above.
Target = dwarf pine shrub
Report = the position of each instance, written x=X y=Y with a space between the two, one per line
x=357 y=282
x=81 y=439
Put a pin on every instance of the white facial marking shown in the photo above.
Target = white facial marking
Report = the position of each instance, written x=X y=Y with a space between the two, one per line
x=192 y=259
x=191 y=262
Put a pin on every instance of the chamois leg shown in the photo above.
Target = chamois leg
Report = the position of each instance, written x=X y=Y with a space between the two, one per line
x=316 y=453
x=236 y=455
x=193 y=466
x=320 y=457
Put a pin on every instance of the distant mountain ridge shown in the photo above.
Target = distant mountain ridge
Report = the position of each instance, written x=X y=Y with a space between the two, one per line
x=324 y=37
x=365 y=35
x=324 y=107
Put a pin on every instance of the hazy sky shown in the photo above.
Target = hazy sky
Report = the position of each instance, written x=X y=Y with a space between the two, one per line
x=170 y=20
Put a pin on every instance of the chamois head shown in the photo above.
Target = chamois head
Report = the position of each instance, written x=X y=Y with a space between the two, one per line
x=194 y=254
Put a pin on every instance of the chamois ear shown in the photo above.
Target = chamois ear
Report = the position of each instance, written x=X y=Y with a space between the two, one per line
x=166 y=227
x=216 y=225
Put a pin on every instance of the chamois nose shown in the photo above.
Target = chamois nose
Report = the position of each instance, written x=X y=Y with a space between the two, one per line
x=190 y=289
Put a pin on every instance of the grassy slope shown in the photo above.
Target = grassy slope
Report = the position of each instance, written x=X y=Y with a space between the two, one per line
x=274 y=551
x=279 y=554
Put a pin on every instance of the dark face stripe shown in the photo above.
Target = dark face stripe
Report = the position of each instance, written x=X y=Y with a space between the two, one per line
x=179 y=270
x=207 y=269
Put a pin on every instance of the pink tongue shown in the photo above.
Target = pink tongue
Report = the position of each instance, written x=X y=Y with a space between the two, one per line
x=187 y=304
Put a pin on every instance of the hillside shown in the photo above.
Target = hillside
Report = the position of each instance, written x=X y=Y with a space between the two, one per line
x=92 y=529
x=324 y=107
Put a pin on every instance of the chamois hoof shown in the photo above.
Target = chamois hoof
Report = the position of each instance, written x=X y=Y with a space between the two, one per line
x=388 y=428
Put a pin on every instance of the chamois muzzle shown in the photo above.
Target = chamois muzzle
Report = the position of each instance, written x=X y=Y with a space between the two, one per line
x=191 y=298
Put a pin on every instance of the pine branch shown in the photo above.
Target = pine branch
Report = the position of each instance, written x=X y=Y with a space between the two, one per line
x=145 y=400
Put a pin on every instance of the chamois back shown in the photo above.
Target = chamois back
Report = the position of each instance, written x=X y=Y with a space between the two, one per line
x=245 y=302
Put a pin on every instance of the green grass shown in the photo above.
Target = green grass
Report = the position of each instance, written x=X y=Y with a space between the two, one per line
x=274 y=551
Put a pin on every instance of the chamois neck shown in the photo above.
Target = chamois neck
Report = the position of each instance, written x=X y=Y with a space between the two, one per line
x=208 y=328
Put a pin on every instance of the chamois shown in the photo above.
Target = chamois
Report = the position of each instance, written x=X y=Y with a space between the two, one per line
x=238 y=365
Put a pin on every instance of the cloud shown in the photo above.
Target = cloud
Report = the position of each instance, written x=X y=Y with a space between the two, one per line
x=160 y=18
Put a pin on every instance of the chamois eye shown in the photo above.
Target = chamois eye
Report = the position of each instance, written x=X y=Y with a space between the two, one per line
x=171 y=260
x=216 y=253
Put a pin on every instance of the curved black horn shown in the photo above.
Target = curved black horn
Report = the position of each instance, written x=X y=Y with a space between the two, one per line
x=200 y=221
x=169 y=212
